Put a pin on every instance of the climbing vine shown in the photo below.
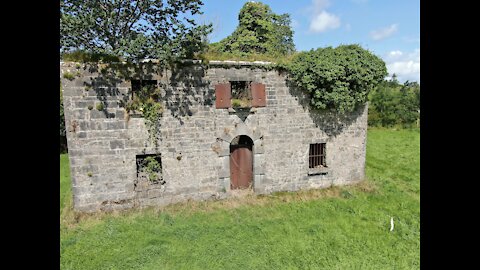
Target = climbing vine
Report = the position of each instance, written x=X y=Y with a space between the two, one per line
x=146 y=101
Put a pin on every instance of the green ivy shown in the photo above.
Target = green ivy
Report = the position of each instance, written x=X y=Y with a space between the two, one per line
x=147 y=102
x=336 y=78
x=152 y=168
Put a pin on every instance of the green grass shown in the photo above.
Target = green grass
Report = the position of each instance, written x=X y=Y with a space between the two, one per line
x=336 y=228
x=65 y=184
x=242 y=103
x=84 y=57
x=222 y=56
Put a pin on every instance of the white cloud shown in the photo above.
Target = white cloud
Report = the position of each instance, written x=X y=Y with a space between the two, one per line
x=324 y=21
x=321 y=20
x=395 y=54
x=384 y=32
x=405 y=65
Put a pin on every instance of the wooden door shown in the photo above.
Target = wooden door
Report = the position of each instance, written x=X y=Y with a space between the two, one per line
x=241 y=168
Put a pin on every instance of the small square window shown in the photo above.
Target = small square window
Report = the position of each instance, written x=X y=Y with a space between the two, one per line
x=316 y=155
x=149 y=167
x=137 y=86
x=241 y=94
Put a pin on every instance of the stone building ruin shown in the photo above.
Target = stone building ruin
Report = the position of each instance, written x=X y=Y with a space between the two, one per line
x=209 y=143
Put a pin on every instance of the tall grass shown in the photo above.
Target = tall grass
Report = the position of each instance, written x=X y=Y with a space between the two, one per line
x=336 y=228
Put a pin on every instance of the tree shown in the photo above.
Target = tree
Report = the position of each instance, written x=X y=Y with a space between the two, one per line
x=383 y=102
x=132 y=29
x=337 y=78
x=63 y=138
x=392 y=103
x=259 y=31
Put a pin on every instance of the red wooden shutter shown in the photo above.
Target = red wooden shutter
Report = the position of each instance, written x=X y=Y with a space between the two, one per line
x=258 y=95
x=223 y=95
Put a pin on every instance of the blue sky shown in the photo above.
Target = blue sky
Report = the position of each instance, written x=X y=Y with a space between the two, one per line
x=390 y=29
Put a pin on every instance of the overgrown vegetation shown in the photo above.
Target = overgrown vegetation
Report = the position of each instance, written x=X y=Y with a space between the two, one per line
x=69 y=76
x=240 y=103
x=147 y=102
x=241 y=95
x=395 y=104
x=334 y=78
x=152 y=168
x=335 y=228
x=337 y=78
x=260 y=31
x=85 y=57
x=222 y=56
x=100 y=106
x=63 y=133
x=132 y=29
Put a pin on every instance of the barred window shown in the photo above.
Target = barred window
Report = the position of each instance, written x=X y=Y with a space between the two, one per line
x=316 y=155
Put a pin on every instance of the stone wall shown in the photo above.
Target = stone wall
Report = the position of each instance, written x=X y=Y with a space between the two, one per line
x=195 y=137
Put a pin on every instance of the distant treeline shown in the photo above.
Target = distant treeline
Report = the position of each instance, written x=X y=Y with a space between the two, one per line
x=394 y=104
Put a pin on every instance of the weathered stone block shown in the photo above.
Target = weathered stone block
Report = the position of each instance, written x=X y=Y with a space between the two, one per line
x=95 y=114
x=153 y=193
x=115 y=125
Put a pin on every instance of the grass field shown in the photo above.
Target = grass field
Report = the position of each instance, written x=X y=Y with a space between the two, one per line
x=335 y=228
x=65 y=184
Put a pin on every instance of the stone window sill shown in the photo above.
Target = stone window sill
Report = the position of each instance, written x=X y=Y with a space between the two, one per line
x=318 y=171
x=242 y=109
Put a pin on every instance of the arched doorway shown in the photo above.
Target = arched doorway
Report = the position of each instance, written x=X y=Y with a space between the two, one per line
x=241 y=162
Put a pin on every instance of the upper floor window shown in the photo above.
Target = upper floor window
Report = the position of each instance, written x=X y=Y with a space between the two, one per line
x=240 y=94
